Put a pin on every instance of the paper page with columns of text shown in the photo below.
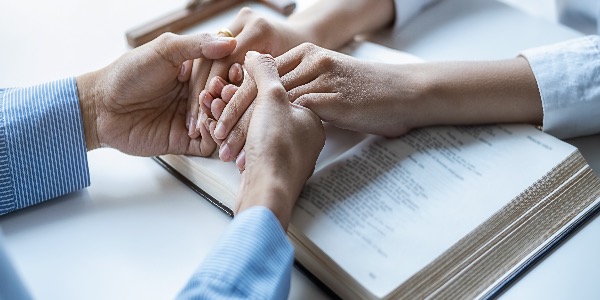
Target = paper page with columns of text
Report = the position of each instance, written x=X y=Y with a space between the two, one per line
x=399 y=203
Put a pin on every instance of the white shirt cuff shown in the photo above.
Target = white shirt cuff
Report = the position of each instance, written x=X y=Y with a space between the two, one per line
x=568 y=78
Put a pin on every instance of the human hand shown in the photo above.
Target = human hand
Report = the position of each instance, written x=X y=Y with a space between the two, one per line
x=138 y=103
x=345 y=91
x=348 y=92
x=252 y=31
x=284 y=141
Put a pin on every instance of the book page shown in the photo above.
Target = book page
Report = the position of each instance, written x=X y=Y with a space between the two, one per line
x=399 y=203
x=222 y=180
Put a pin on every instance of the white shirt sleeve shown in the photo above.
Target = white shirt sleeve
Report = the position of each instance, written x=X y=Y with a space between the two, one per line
x=406 y=9
x=568 y=77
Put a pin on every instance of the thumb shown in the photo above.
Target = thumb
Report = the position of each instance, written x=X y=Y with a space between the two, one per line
x=180 y=48
x=262 y=68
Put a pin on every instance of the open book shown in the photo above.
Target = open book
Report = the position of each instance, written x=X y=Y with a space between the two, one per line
x=445 y=212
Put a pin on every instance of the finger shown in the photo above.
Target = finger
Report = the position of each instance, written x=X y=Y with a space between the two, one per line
x=240 y=20
x=193 y=130
x=304 y=73
x=240 y=161
x=289 y=60
x=200 y=70
x=211 y=124
x=186 y=71
x=215 y=86
x=217 y=107
x=221 y=67
x=233 y=144
x=324 y=105
x=316 y=86
x=236 y=107
x=204 y=100
x=179 y=48
x=262 y=68
x=207 y=144
x=228 y=92
x=202 y=120
x=236 y=74
x=201 y=147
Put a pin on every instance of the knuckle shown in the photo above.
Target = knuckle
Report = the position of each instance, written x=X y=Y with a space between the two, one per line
x=310 y=47
x=205 y=36
x=263 y=62
x=326 y=61
x=306 y=46
x=245 y=11
x=266 y=60
x=303 y=101
x=237 y=137
x=262 y=24
x=166 y=39
x=276 y=91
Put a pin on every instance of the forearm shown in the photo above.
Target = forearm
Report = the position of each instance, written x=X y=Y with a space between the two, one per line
x=476 y=93
x=331 y=24
x=41 y=144
x=270 y=190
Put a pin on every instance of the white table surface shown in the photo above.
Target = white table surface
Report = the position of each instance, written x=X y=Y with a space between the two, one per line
x=138 y=233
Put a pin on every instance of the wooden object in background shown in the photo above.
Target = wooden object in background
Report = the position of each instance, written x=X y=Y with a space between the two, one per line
x=195 y=12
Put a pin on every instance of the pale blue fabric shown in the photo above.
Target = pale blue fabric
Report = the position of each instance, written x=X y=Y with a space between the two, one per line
x=43 y=155
x=42 y=146
x=568 y=78
x=253 y=260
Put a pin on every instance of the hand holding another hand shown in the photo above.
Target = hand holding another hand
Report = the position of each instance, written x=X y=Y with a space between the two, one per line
x=253 y=32
x=347 y=92
x=284 y=141
x=138 y=103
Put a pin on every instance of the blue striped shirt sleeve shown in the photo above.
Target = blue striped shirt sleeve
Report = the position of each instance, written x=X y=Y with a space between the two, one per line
x=42 y=145
x=253 y=260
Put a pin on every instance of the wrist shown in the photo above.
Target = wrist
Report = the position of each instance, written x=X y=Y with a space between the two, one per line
x=297 y=32
x=271 y=191
x=402 y=91
x=89 y=94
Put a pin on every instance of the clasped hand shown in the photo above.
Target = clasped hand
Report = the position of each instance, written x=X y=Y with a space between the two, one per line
x=342 y=90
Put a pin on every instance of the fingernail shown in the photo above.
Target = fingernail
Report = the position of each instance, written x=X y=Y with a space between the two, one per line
x=217 y=83
x=205 y=100
x=207 y=124
x=182 y=69
x=220 y=131
x=240 y=161
x=224 y=153
x=237 y=74
x=200 y=121
x=191 y=127
x=202 y=97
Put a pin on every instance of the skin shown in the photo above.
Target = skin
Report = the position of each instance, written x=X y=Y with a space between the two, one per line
x=320 y=24
x=390 y=100
x=138 y=104
x=284 y=141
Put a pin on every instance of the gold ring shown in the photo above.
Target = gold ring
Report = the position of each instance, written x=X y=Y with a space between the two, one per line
x=225 y=31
